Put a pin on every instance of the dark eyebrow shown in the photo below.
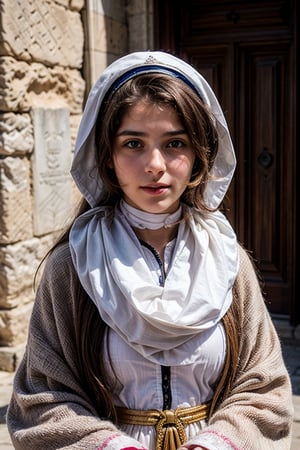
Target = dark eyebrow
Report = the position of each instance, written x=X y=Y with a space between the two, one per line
x=175 y=132
x=130 y=133
x=140 y=133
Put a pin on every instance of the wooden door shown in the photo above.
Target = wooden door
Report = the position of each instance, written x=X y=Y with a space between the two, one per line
x=247 y=51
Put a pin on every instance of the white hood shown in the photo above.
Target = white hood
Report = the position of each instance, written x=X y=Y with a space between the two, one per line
x=84 y=169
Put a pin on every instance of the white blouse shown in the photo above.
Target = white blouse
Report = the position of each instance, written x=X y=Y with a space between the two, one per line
x=138 y=381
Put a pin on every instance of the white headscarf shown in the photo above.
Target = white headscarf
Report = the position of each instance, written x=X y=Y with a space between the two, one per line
x=155 y=320
x=84 y=169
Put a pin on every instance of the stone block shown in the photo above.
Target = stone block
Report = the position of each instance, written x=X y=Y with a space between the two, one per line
x=14 y=325
x=97 y=32
x=16 y=135
x=15 y=200
x=36 y=30
x=76 y=4
x=74 y=125
x=22 y=298
x=10 y=357
x=64 y=3
x=23 y=86
x=52 y=183
x=18 y=264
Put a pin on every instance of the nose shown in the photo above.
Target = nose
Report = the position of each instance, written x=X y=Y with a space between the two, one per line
x=156 y=162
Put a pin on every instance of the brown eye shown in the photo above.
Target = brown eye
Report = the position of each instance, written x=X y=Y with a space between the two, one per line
x=133 y=144
x=175 y=143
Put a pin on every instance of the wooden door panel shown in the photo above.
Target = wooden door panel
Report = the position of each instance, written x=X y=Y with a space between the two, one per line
x=265 y=164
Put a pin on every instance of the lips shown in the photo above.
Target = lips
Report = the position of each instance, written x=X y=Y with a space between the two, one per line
x=155 y=188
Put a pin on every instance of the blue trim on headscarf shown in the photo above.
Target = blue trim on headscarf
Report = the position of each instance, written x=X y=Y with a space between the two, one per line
x=152 y=69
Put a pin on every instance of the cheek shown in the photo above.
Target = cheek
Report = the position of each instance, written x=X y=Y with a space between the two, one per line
x=122 y=168
x=125 y=163
x=184 y=167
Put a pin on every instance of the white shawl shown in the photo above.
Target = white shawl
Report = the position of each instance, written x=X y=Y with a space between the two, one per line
x=156 y=320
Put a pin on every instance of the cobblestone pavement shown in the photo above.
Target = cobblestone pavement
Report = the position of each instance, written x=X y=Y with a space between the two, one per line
x=291 y=353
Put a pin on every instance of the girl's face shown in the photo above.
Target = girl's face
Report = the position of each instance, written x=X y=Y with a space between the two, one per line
x=152 y=157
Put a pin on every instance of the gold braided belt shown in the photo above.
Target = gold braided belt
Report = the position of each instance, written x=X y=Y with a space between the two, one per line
x=169 y=424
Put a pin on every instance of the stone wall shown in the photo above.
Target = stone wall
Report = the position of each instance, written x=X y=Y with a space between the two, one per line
x=41 y=99
x=51 y=52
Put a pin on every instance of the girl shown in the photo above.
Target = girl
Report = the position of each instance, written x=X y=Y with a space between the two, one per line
x=149 y=330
